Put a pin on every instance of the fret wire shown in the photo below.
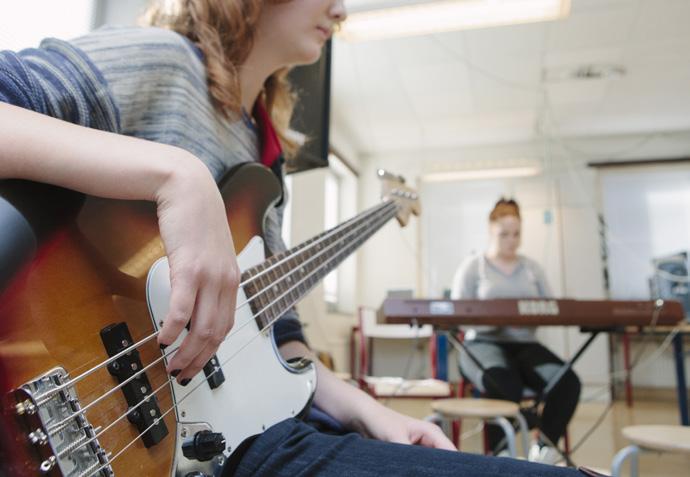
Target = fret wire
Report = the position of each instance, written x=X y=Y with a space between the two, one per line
x=290 y=265
x=272 y=287
x=254 y=300
x=265 y=297
x=278 y=285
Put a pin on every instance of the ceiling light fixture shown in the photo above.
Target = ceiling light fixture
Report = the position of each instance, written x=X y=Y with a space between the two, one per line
x=478 y=174
x=408 y=18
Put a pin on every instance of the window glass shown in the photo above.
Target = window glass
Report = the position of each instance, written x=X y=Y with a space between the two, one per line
x=23 y=24
x=647 y=215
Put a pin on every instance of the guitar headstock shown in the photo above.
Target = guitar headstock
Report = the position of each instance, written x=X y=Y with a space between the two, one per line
x=406 y=198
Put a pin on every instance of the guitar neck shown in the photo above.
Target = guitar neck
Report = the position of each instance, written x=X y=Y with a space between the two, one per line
x=277 y=284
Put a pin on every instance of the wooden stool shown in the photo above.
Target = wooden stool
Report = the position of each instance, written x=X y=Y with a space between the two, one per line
x=489 y=410
x=650 y=438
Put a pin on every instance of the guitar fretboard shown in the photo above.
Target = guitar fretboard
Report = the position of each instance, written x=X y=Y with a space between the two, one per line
x=275 y=285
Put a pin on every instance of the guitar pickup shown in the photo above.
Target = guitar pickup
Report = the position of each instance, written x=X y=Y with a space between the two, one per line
x=138 y=391
x=212 y=370
x=214 y=373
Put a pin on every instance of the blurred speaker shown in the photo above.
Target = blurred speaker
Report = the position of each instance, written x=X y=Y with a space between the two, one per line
x=671 y=280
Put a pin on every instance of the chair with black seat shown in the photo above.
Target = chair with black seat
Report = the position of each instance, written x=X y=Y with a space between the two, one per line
x=527 y=403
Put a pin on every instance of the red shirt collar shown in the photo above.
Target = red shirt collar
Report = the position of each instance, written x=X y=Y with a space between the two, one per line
x=268 y=139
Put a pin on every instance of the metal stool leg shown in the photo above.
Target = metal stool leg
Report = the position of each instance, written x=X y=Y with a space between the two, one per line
x=440 y=420
x=631 y=451
x=436 y=418
x=510 y=434
x=524 y=433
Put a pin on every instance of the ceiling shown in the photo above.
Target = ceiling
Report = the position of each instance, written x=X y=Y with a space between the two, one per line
x=487 y=86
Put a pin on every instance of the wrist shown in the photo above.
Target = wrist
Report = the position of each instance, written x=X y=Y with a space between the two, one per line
x=362 y=412
x=181 y=172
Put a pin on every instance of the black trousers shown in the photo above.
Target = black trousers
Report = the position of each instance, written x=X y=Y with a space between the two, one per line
x=510 y=368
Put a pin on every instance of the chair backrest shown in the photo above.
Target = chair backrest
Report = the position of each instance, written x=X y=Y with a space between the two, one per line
x=369 y=328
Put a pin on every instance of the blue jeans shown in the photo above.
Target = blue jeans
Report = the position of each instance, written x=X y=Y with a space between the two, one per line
x=294 y=448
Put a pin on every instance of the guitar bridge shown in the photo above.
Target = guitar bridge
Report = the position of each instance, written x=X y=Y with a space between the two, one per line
x=56 y=429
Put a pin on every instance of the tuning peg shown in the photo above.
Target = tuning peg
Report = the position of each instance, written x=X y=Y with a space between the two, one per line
x=385 y=175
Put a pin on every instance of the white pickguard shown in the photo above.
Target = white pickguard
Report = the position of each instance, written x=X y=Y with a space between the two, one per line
x=260 y=389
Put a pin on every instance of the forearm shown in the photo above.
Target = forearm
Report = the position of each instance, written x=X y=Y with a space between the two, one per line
x=347 y=404
x=358 y=411
x=43 y=149
x=191 y=215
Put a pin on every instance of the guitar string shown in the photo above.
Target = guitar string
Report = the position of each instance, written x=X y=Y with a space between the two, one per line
x=344 y=252
x=300 y=249
x=59 y=425
x=42 y=399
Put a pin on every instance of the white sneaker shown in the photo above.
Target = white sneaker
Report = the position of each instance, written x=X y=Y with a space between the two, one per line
x=544 y=454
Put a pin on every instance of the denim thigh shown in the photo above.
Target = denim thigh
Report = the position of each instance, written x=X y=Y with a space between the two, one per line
x=293 y=448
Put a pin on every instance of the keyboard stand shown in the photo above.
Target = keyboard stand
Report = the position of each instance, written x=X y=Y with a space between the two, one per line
x=541 y=397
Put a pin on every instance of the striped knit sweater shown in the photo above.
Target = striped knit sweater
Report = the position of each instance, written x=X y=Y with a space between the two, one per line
x=148 y=83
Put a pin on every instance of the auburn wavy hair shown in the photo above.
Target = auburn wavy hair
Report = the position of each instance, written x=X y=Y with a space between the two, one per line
x=504 y=208
x=224 y=31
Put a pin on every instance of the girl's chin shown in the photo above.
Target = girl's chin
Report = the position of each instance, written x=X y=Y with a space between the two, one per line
x=310 y=54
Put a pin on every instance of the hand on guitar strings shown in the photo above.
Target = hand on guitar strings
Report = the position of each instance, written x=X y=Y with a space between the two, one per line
x=204 y=274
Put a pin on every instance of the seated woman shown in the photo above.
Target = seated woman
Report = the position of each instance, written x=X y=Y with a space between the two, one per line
x=511 y=357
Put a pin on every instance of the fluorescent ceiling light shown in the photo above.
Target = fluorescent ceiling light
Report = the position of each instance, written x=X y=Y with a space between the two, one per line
x=477 y=174
x=427 y=17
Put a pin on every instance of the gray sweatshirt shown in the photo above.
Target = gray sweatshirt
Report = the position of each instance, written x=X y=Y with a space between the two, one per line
x=478 y=278
x=148 y=83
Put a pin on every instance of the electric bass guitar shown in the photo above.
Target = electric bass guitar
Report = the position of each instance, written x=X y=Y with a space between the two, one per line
x=84 y=288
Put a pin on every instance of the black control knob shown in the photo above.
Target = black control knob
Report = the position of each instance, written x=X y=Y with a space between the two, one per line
x=205 y=445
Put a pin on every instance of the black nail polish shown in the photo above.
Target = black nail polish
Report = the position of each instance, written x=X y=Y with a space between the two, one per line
x=185 y=382
x=175 y=372
x=163 y=346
